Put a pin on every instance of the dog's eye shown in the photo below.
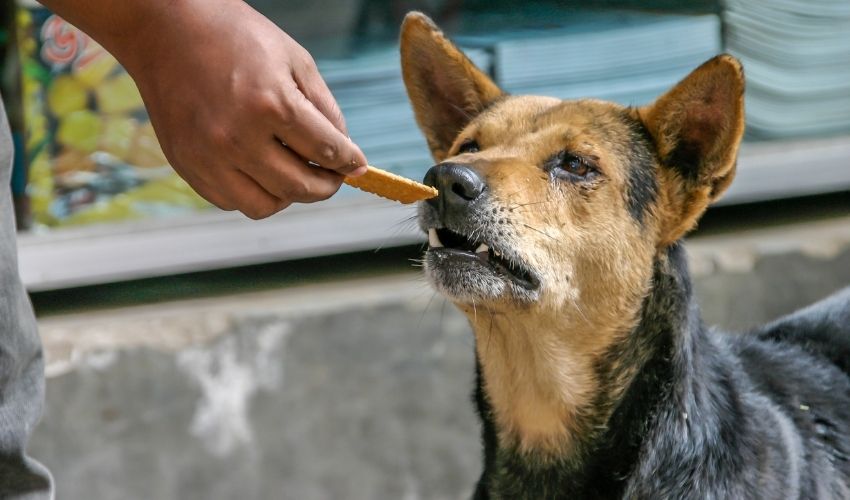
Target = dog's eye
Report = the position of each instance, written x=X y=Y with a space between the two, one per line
x=568 y=166
x=575 y=165
x=468 y=146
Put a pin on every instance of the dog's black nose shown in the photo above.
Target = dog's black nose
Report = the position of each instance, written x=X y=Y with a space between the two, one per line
x=457 y=183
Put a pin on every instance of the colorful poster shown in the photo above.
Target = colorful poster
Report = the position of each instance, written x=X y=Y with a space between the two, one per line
x=90 y=147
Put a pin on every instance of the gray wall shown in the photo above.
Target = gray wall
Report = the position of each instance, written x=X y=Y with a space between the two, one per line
x=355 y=390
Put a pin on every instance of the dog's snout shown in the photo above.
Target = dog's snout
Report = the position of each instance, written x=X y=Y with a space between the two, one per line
x=457 y=183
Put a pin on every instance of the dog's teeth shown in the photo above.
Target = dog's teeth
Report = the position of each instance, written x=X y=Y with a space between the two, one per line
x=482 y=248
x=497 y=253
x=433 y=239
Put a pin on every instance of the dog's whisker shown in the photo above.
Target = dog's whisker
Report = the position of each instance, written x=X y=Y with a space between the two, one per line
x=489 y=331
x=521 y=205
x=406 y=220
x=581 y=312
x=425 y=311
x=443 y=312
x=539 y=231
x=518 y=191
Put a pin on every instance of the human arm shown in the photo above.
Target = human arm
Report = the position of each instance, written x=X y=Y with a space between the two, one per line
x=224 y=87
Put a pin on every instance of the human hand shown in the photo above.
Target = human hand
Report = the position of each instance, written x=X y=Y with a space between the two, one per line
x=224 y=87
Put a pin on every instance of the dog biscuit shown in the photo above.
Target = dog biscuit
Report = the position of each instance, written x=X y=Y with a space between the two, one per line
x=391 y=186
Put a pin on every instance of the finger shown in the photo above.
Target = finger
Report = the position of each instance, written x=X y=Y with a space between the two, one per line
x=246 y=194
x=205 y=190
x=316 y=90
x=310 y=135
x=287 y=176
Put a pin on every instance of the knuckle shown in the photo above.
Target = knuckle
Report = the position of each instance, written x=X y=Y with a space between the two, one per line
x=307 y=61
x=252 y=213
x=328 y=153
x=216 y=198
x=299 y=189
x=301 y=58
x=220 y=134
x=307 y=57
x=324 y=190
x=287 y=112
x=328 y=191
x=268 y=102
x=221 y=203
x=257 y=212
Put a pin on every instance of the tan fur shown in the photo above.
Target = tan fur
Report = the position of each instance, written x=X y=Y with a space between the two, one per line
x=594 y=259
x=428 y=62
x=707 y=109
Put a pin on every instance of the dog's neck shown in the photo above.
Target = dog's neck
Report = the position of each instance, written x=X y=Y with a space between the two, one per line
x=593 y=418
x=537 y=379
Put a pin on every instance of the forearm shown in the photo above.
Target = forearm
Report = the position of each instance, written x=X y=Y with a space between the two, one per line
x=134 y=29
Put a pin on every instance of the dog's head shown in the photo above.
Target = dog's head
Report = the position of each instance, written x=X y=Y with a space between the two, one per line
x=562 y=205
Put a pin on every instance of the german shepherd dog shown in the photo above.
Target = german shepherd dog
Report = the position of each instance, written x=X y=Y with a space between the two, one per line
x=556 y=232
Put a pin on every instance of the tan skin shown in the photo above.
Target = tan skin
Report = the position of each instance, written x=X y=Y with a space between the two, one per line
x=225 y=87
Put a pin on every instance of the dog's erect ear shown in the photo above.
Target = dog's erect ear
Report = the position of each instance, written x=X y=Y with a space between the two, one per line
x=445 y=88
x=697 y=128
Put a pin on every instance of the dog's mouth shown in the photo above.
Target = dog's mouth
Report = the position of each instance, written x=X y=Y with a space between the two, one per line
x=455 y=248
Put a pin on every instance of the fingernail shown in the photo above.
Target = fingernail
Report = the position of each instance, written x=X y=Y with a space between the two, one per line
x=358 y=171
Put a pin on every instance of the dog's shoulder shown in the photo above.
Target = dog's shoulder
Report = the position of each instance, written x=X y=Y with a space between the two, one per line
x=821 y=329
x=801 y=362
x=805 y=355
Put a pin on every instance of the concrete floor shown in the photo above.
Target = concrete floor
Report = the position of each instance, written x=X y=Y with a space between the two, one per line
x=338 y=384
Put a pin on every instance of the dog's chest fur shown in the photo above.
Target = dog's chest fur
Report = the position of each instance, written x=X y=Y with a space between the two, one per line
x=706 y=415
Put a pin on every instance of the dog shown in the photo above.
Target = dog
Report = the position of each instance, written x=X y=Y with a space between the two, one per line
x=557 y=232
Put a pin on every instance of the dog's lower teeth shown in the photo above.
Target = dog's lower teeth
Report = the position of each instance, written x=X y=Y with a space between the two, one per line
x=482 y=248
x=433 y=239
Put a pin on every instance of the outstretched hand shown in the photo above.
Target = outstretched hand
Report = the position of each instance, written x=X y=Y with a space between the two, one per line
x=238 y=106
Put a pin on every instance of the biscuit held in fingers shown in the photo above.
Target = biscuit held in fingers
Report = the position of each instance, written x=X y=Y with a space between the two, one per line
x=391 y=186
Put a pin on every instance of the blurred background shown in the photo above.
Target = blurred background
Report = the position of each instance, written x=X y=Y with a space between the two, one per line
x=192 y=353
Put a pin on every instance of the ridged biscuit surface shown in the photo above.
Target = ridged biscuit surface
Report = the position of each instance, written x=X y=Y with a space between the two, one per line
x=391 y=186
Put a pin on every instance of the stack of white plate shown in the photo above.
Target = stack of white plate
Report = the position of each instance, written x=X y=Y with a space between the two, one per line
x=370 y=91
x=796 y=56
x=628 y=57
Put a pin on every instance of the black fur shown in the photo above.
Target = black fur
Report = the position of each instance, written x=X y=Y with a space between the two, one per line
x=686 y=158
x=642 y=185
x=822 y=329
x=706 y=414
